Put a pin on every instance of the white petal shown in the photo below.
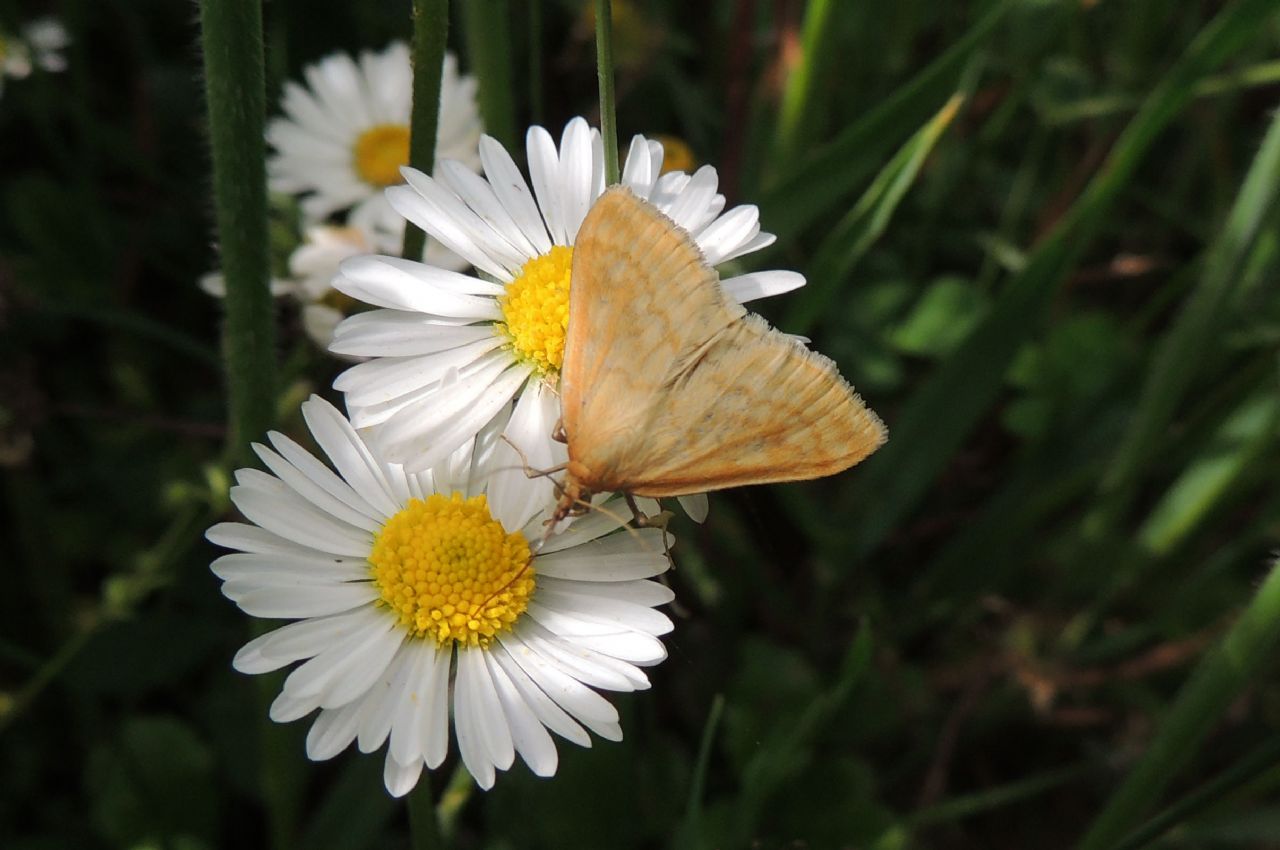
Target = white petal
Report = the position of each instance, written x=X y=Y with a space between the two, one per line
x=423 y=705
x=290 y=517
x=251 y=538
x=529 y=736
x=286 y=709
x=544 y=169
x=576 y=175
x=619 y=557
x=385 y=697
x=585 y=705
x=636 y=172
x=278 y=568
x=471 y=718
x=514 y=497
x=514 y=193
x=435 y=220
x=586 y=666
x=405 y=285
x=696 y=505
x=586 y=527
x=323 y=476
x=287 y=603
x=476 y=192
x=350 y=456
x=400 y=779
x=632 y=647
x=472 y=402
x=333 y=731
x=544 y=708
x=690 y=209
x=459 y=221
x=387 y=378
x=325 y=492
x=397 y=333
x=294 y=642
x=748 y=287
x=315 y=677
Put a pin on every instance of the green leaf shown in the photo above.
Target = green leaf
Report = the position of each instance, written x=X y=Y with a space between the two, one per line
x=154 y=784
x=941 y=319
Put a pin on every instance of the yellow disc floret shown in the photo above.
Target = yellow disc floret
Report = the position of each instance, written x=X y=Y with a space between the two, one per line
x=449 y=571
x=535 y=310
x=379 y=153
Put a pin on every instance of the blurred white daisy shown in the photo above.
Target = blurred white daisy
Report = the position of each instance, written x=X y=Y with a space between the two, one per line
x=421 y=597
x=345 y=135
x=39 y=45
x=449 y=350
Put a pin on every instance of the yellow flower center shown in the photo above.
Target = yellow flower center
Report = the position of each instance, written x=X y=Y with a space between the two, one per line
x=449 y=571
x=535 y=310
x=676 y=154
x=379 y=153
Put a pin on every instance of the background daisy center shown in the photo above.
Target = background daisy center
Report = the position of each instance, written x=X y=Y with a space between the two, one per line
x=535 y=309
x=379 y=153
x=446 y=569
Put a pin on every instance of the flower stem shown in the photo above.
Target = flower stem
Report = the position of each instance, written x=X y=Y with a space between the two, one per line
x=487 y=26
x=430 y=27
x=604 y=69
x=231 y=36
x=424 y=826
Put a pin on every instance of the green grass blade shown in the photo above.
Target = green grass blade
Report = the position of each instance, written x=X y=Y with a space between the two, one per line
x=1180 y=356
x=1212 y=688
x=866 y=222
x=1255 y=763
x=937 y=420
x=805 y=194
x=689 y=834
x=797 y=96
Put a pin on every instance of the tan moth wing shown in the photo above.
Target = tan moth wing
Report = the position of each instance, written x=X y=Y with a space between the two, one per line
x=669 y=387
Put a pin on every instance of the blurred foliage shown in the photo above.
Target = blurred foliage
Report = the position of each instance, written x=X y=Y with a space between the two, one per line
x=1060 y=295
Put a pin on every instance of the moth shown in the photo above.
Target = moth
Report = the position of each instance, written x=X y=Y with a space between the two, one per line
x=669 y=387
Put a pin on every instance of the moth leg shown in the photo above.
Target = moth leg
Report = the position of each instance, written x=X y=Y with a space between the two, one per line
x=660 y=521
x=558 y=434
x=530 y=472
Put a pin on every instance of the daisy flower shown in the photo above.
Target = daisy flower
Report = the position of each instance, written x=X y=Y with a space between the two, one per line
x=345 y=136
x=39 y=46
x=314 y=265
x=446 y=350
x=434 y=599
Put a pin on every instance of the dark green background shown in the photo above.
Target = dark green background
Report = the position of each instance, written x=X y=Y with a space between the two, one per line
x=1073 y=342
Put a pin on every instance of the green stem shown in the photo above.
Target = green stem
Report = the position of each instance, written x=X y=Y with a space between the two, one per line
x=430 y=27
x=231 y=35
x=537 y=106
x=1260 y=760
x=1212 y=688
x=424 y=827
x=487 y=25
x=604 y=70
